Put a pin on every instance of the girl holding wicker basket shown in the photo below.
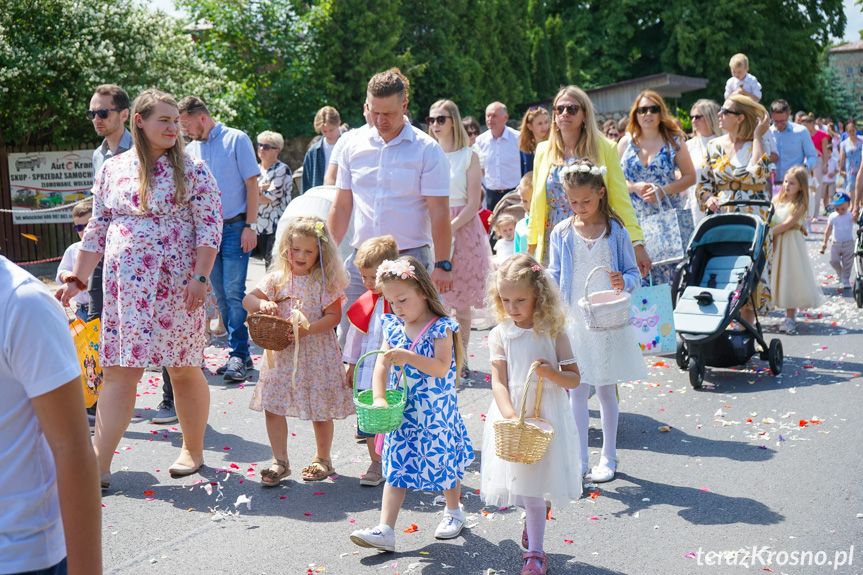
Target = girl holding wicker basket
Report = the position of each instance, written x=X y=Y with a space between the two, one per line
x=306 y=378
x=592 y=251
x=532 y=364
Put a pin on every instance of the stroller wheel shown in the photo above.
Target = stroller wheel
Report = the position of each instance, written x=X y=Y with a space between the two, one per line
x=774 y=356
x=682 y=356
x=858 y=291
x=696 y=372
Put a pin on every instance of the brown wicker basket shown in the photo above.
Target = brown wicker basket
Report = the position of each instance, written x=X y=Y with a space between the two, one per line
x=524 y=440
x=270 y=332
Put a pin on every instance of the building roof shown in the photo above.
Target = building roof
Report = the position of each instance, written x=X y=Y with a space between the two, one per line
x=849 y=47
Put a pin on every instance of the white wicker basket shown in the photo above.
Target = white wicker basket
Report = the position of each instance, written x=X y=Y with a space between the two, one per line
x=604 y=310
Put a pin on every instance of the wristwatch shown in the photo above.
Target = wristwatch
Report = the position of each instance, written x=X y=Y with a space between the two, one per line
x=445 y=265
x=253 y=227
x=200 y=277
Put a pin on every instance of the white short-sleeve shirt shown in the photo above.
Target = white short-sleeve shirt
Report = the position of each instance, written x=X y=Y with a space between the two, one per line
x=501 y=159
x=36 y=357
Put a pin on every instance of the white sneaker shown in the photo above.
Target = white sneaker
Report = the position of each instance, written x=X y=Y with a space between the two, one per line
x=451 y=525
x=787 y=326
x=846 y=285
x=381 y=537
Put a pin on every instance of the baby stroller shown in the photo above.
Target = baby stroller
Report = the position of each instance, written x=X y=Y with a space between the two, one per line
x=509 y=204
x=719 y=274
x=857 y=286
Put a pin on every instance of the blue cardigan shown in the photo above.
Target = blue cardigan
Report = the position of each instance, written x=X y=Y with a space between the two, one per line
x=560 y=257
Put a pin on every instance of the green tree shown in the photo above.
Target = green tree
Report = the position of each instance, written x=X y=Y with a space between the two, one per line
x=54 y=52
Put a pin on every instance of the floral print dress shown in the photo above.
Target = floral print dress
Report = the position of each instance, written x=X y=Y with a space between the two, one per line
x=149 y=259
x=721 y=170
x=318 y=392
x=431 y=449
x=558 y=205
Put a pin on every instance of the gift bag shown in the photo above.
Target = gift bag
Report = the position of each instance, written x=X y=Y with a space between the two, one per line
x=86 y=337
x=653 y=319
x=662 y=237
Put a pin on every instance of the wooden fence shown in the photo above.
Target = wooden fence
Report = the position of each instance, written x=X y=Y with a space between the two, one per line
x=52 y=238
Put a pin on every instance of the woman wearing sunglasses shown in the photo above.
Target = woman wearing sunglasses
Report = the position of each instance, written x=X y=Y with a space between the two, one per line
x=705 y=127
x=471 y=254
x=274 y=185
x=575 y=136
x=650 y=154
x=535 y=126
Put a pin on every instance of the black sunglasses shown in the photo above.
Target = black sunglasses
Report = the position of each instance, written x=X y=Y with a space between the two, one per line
x=431 y=120
x=571 y=109
x=727 y=111
x=696 y=117
x=79 y=227
x=103 y=113
x=644 y=110
x=266 y=146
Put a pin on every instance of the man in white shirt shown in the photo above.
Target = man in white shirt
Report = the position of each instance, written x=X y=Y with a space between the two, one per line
x=498 y=147
x=50 y=508
x=333 y=161
x=394 y=178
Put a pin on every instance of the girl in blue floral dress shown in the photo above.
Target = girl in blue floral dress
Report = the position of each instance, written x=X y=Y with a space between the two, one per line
x=431 y=449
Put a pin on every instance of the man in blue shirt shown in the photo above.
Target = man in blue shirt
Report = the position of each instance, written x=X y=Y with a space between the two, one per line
x=231 y=157
x=793 y=142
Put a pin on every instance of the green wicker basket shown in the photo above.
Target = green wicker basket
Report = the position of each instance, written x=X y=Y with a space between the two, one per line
x=375 y=419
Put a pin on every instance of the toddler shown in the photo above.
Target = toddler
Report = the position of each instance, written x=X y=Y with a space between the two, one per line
x=840 y=229
x=741 y=81
x=80 y=216
x=504 y=228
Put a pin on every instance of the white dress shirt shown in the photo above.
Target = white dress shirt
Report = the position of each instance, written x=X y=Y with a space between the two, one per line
x=500 y=159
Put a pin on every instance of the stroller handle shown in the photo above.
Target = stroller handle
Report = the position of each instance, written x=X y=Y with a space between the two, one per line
x=763 y=203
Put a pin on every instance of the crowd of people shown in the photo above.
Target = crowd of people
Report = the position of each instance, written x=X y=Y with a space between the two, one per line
x=165 y=247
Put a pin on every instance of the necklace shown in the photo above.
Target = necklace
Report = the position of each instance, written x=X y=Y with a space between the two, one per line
x=590 y=241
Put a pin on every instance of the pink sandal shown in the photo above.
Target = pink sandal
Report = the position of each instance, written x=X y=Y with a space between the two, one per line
x=534 y=563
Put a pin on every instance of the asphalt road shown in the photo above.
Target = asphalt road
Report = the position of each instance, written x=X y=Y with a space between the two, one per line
x=736 y=472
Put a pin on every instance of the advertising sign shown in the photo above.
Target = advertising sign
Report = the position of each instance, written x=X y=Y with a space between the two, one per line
x=40 y=180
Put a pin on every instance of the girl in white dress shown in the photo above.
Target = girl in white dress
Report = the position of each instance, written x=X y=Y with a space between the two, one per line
x=531 y=325
x=594 y=236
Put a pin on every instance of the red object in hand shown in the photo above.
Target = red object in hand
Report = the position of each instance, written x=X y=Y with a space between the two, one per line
x=70 y=279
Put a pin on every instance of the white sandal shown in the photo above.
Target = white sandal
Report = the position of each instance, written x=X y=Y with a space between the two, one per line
x=603 y=472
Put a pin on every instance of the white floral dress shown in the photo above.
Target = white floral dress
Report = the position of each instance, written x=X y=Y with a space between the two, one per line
x=149 y=260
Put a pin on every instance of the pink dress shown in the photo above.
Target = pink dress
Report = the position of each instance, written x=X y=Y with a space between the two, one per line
x=318 y=392
x=149 y=260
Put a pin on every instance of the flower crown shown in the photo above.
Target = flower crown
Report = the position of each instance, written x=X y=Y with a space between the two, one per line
x=319 y=231
x=584 y=169
x=399 y=268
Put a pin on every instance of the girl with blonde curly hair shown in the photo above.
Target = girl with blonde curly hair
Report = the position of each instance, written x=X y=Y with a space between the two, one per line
x=305 y=380
x=530 y=342
x=592 y=251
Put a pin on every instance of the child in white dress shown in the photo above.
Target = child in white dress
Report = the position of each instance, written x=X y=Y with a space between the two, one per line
x=531 y=325
x=594 y=236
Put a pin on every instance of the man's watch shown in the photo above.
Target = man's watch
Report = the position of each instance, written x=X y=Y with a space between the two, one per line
x=253 y=227
x=200 y=277
x=445 y=265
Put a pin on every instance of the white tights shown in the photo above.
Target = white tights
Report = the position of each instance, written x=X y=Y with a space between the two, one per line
x=608 y=412
x=535 y=516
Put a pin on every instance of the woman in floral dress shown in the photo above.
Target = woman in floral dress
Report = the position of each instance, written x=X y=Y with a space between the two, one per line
x=738 y=169
x=157 y=217
x=650 y=153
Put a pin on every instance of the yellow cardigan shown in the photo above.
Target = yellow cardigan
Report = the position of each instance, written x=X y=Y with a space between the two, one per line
x=618 y=194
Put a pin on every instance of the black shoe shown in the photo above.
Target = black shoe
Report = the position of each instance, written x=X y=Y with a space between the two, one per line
x=235 y=370
x=249 y=365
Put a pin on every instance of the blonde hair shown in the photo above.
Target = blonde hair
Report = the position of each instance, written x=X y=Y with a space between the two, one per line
x=590 y=137
x=801 y=174
x=422 y=283
x=144 y=106
x=501 y=219
x=739 y=60
x=269 y=137
x=526 y=140
x=374 y=251
x=548 y=316
x=668 y=129
x=459 y=133
x=327 y=115
x=328 y=262
x=710 y=110
x=526 y=185
x=752 y=112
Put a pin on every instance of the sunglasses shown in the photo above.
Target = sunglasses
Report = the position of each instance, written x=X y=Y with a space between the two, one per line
x=571 y=109
x=103 y=113
x=266 y=147
x=472 y=133
x=696 y=117
x=79 y=227
x=441 y=120
x=727 y=111
x=644 y=110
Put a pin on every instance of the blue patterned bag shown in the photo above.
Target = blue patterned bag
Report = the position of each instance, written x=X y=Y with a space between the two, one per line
x=662 y=238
